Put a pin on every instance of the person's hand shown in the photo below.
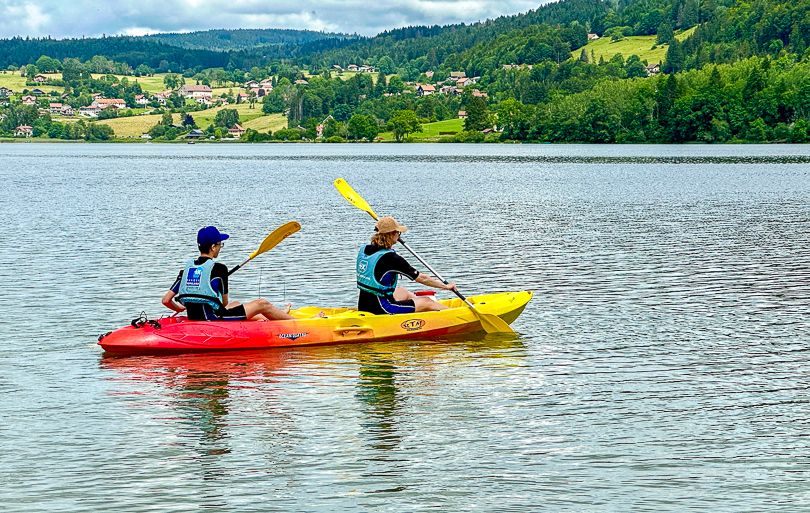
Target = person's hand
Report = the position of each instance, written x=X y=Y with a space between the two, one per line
x=450 y=286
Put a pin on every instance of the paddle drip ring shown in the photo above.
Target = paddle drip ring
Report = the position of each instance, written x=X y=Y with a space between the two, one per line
x=142 y=320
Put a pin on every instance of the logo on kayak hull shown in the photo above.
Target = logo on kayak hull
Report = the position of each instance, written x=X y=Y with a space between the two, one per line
x=292 y=336
x=413 y=324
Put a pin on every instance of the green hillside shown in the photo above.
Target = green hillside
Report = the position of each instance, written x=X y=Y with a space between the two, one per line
x=731 y=70
x=644 y=46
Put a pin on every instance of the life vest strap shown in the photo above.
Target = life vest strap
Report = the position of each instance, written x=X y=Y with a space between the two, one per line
x=202 y=299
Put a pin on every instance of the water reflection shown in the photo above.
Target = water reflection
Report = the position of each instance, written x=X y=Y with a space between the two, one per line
x=201 y=386
x=205 y=389
x=377 y=390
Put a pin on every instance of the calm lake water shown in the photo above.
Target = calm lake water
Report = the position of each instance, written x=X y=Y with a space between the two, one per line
x=661 y=366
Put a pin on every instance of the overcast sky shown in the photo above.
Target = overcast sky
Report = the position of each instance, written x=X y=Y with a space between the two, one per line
x=76 y=18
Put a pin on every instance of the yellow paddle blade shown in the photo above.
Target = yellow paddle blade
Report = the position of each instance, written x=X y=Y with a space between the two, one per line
x=278 y=235
x=492 y=323
x=352 y=197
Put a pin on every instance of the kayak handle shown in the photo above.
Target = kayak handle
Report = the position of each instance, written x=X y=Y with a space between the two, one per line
x=361 y=330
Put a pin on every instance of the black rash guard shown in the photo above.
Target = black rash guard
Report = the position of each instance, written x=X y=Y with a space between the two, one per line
x=390 y=262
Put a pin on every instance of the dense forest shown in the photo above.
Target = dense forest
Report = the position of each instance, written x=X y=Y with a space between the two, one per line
x=128 y=50
x=242 y=39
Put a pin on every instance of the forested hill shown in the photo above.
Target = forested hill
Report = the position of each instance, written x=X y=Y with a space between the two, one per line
x=406 y=45
x=130 y=50
x=727 y=31
x=242 y=39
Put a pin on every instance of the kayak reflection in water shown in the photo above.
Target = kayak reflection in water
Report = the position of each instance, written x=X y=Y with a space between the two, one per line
x=201 y=288
x=379 y=266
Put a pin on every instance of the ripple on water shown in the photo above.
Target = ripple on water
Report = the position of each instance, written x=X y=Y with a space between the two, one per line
x=661 y=366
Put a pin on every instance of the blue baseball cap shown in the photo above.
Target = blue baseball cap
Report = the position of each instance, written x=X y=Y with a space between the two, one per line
x=210 y=235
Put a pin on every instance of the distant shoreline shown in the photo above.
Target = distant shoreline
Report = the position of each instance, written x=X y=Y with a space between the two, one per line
x=508 y=142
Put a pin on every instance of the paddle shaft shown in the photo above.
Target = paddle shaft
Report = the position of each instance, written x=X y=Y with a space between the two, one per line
x=437 y=275
x=269 y=242
x=238 y=266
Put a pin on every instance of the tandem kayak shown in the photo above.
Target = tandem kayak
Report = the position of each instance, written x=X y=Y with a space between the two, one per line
x=340 y=326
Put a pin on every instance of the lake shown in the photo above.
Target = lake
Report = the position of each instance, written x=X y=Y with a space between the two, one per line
x=661 y=366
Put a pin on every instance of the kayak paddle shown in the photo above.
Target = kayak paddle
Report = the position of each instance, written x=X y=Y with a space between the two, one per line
x=491 y=323
x=278 y=235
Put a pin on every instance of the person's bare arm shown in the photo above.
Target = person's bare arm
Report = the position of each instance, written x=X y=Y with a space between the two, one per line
x=171 y=304
x=424 y=279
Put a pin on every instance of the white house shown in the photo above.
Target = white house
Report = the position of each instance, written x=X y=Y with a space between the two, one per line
x=103 y=103
x=195 y=91
x=236 y=130
x=24 y=130
x=425 y=90
x=91 y=111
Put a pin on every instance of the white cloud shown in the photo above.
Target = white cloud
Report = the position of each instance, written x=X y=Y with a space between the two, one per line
x=76 y=18
x=137 y=31
x=24 y=16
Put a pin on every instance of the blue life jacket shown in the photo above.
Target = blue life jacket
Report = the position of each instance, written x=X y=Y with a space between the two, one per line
x=195 y=285
x=365 y=274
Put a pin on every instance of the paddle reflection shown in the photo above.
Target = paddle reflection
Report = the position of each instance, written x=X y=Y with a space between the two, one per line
x=282 y=392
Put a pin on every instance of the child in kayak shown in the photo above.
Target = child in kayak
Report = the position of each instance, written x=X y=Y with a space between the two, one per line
x=379 y=266
x=201 y=288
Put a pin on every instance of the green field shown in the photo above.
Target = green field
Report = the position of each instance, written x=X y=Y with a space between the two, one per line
x=204 y=118
x=135 y=125
x=633 y=45
x=431 y=132
x=273 y=122
x=249 y=118
x=17 y=83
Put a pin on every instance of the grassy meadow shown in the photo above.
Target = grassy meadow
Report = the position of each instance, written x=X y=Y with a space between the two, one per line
x=272 y=122
x=249 y=118
x=431 y=132
x=16 y=83
x=632 y=45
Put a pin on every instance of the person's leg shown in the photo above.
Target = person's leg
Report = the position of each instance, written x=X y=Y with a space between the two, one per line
x=425 y=304
x=257 y=317
x=270 y=312
x=261 y=309
x=402 y=294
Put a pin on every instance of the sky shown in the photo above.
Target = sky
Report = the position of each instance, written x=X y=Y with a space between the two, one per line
x=91 y=18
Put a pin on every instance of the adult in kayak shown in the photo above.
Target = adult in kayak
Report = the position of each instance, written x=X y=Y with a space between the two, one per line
x=201 y=288
x=379 y=267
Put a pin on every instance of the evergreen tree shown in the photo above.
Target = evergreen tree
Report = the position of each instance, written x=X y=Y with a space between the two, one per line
x=477 y=115
x=675 y=59
x=583 y=56
x=665 y=33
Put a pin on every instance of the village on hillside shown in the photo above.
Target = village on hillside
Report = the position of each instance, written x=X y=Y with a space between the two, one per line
x=100 y=107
